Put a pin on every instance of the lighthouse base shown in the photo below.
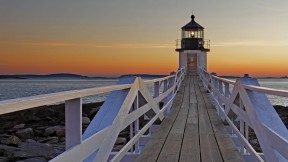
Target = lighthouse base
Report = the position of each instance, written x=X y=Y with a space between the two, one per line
x=197 y=57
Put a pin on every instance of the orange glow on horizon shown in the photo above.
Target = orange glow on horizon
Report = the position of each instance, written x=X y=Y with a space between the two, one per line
x=93 y=61
x=111 y=38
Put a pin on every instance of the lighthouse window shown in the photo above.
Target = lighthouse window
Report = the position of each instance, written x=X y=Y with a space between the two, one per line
x=192 y=34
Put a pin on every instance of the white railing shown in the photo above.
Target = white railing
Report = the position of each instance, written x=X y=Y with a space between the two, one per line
x=245 y=102
x=122 y=109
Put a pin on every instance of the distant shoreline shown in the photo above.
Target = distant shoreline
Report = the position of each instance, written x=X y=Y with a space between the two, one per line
x=72 y=77
x=236 y=77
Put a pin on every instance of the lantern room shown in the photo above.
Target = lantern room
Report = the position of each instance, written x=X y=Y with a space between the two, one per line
x=192 y=36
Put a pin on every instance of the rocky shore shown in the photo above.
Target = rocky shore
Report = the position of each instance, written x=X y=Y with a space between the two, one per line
x=283 y=113
x=38 y=135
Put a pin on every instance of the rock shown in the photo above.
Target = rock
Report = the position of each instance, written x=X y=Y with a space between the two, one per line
x=38 y=132
x=3 y=159
x=30 y=140
x=4 y=135
x=93 y=112
x=48 y=151
x=14 y=153
x=117 y=147
x=2 y=130
x=7 y=148
x=19 y=126
x=124 y=133
x=120 y=141
x=35 y=159
x=20 y=154
x=254 y=141
x=25 y=133
x=60 y=133
x=31 y=118
x=62 y=139
x=8 y=124
x=86 y=120
x=12 y=140
x=52 y=130
x=51 y=140
x=46 y=112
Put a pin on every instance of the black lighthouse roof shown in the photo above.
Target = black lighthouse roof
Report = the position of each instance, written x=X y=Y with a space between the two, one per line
x=192 y=24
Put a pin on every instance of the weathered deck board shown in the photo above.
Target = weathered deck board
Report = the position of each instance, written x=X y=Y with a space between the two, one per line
x=190 y=150
x=176 y=134
x=192 y=131
x=208 y=144
x=155 y=144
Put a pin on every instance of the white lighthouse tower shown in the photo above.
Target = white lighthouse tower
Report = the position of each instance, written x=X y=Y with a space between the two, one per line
x=194 y=48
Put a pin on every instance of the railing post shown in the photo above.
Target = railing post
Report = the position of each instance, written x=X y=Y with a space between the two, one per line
x=246 y=134
x=206 y=80
x=156 y=89
x=213 y=84
x=227 y=90
x=134 y=127
x=241 y=125
x=170 y=95
x=73 y=122
x=220 y=92
x=165 y=89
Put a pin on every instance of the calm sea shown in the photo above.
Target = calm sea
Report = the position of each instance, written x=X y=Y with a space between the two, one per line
x=10 y=89
x=276 y=84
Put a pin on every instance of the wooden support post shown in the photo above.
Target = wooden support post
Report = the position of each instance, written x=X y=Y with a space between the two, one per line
x=156 y=89
x=227 y=90
x=220 y=84
x=136 y=126
x=73 y=122
x=165 y=89
x=246 y=135
x=165 y=85
x=242 y=126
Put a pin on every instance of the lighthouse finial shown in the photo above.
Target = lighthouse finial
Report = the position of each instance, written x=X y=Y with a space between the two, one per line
x=192 y=17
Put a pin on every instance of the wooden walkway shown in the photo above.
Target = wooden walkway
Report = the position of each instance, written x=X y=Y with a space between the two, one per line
x=192 y=131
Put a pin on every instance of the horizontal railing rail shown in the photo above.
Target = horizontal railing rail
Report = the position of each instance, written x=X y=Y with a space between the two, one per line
x=97 y=142
x=243 y=104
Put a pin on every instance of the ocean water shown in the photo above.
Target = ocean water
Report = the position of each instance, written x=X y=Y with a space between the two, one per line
x=276 y=84
x=11 y=89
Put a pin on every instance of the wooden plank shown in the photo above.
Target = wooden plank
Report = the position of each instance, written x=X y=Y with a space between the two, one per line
x=227 y=147
x=193 y=98
x=208 y=144
x=172 y=147
x=190 y=150
x=192 y=132
x=153 y=147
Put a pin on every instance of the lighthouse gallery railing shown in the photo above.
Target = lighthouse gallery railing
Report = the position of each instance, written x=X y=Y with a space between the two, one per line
x=98 y=145
x=245 y=102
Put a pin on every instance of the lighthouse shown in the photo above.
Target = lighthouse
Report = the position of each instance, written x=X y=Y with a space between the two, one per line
x=192 y=47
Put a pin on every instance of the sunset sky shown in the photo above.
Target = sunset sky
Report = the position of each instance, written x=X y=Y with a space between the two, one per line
x=107 y=38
